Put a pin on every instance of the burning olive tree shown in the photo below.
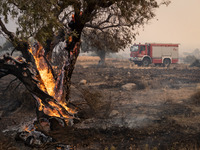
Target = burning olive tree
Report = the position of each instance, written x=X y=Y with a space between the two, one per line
x=51 y=22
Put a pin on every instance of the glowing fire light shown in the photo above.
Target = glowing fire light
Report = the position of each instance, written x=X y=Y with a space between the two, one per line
x=49 y=85
x=43 y=69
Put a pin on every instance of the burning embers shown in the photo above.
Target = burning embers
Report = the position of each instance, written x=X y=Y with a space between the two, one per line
x=50 y=85
x=32 y=137
x=30 y=134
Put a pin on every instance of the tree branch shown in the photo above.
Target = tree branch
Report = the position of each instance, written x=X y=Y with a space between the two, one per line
x=5 y=30
x=18 y=44
x=106 y=27
x=105 y=3
x=23 y=72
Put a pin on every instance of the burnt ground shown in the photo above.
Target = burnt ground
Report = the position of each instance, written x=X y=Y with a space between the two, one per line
x=160 y=111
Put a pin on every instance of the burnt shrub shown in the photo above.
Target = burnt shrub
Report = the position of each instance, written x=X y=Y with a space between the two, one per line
x=195 y=99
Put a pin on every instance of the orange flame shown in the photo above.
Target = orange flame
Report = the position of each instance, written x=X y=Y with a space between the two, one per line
x=48 y=85
x=42 y=67
x=28 y=129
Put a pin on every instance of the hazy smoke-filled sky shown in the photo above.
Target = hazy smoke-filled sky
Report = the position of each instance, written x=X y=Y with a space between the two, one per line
x=177 y=23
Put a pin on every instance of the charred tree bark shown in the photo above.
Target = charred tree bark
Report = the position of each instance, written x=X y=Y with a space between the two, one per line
x=24 y=73
x=52 y=42
x=102 y=55
x=27 y=71
x=69 y=69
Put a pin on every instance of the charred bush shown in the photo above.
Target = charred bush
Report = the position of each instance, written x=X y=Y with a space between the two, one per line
x=189 y=59
x=92 y=98
x=96 y=103
x=195 y=99
x=196 y=63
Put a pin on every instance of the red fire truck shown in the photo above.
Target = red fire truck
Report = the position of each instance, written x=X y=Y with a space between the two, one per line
x=156 y=53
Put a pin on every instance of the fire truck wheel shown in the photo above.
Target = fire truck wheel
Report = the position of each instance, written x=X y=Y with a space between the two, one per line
x=145 y=62
x=166 y=62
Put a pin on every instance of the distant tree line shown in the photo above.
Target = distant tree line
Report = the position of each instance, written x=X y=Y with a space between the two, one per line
x=192 y=58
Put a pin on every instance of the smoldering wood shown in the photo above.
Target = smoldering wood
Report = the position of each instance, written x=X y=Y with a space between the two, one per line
x=26 y=71
x=23 y=72
x=69 y=69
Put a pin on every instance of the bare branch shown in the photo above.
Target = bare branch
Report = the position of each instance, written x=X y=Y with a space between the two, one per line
x=18 y=44
x=105 y=3
x=5 y=30
x=93 y=26
x=105 y=27
x=12 y=51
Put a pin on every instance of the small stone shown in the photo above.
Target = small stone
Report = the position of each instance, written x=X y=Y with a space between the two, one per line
x=114 y=113
x=106 y=77
x=129 y=86
x=83 y=82
x=85 y=67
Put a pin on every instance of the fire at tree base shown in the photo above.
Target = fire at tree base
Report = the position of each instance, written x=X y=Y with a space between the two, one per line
x=52 y=110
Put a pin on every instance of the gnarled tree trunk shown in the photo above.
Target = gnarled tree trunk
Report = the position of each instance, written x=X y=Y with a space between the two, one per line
x=102 y=55
x=31 y=69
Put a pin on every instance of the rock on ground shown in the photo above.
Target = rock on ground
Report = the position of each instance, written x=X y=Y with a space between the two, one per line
x=83 y=82
x=129 y=86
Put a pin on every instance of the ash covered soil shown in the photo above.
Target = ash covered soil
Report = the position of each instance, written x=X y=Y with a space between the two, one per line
x=121 y=106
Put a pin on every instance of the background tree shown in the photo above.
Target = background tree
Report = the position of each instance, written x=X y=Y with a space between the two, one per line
x=106 y=42
x=53 y=21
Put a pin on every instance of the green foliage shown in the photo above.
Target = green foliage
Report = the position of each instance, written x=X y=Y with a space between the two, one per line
x=33 y=16
x=113 y=28
x=112 y=21
x=112 y=40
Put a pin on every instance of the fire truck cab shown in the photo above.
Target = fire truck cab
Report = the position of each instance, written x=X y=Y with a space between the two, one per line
x=156 y=53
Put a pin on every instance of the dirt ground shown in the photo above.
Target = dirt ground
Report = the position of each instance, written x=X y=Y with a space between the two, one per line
x=121 y=106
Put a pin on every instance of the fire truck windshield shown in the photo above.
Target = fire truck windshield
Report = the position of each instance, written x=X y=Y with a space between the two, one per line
x=134 y=48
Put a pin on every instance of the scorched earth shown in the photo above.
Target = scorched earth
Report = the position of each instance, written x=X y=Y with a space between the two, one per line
x=121 y=106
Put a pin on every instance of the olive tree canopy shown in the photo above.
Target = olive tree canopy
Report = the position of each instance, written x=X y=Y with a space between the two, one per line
x=113 y=20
